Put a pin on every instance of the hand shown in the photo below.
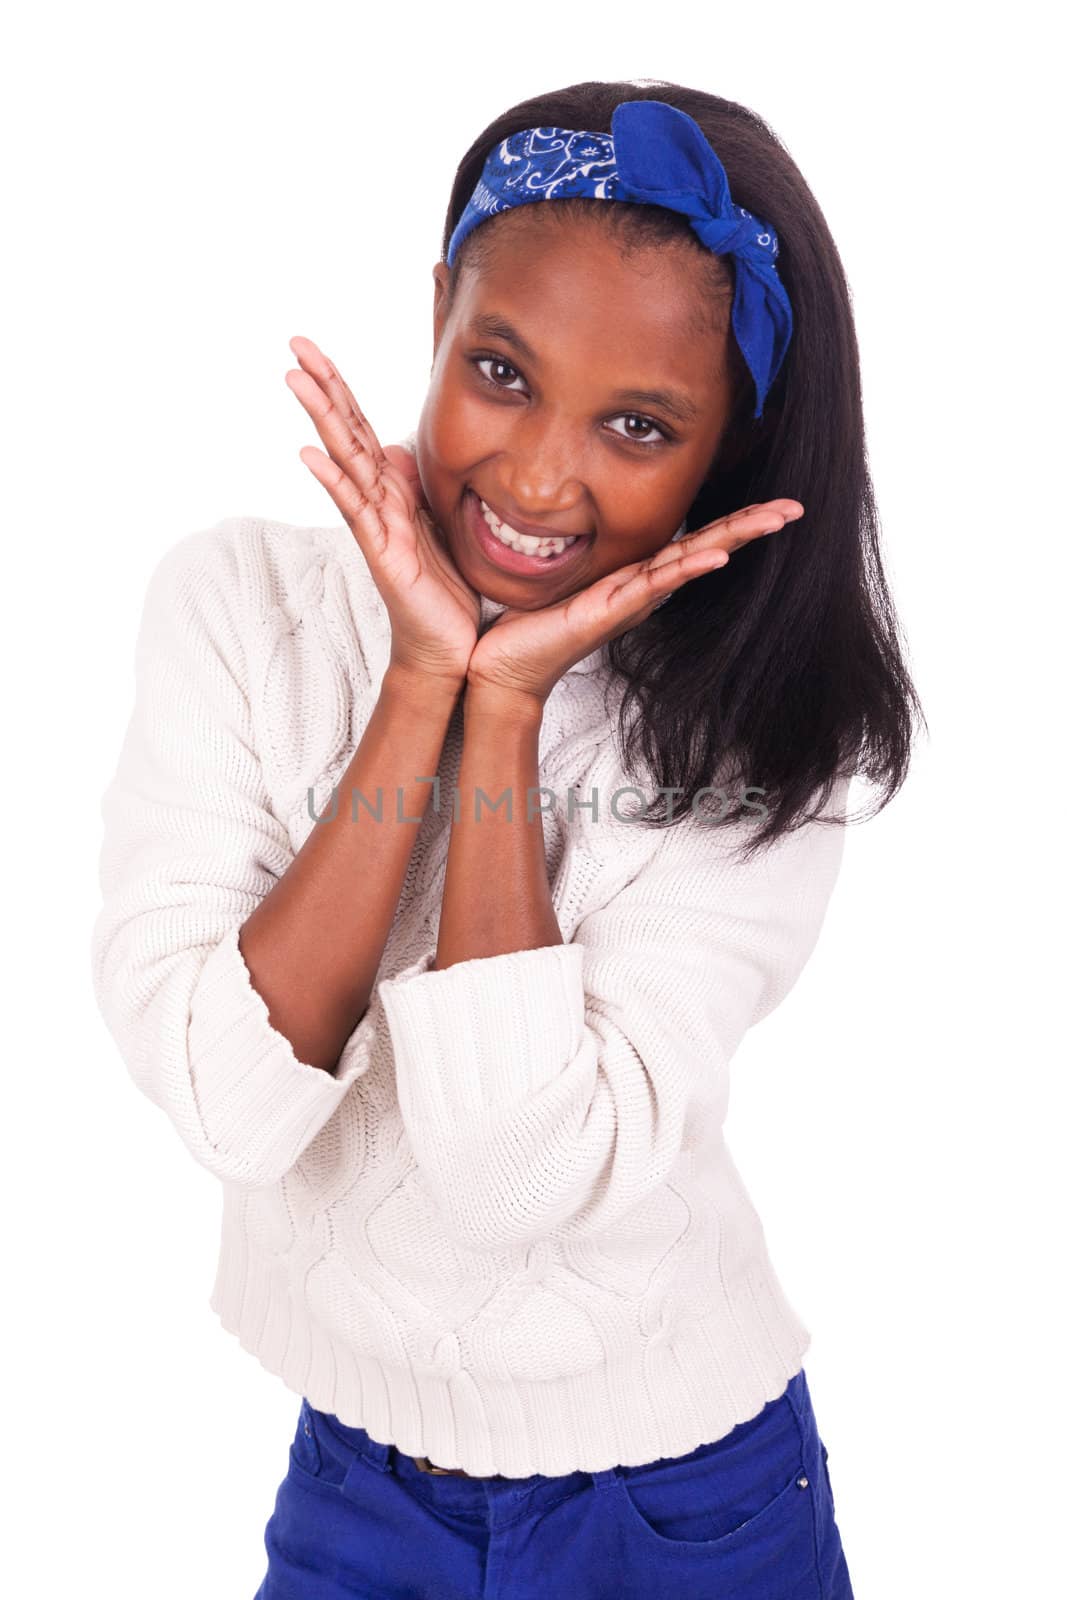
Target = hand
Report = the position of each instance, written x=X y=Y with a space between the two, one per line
x=525 y=653
x=433 y=612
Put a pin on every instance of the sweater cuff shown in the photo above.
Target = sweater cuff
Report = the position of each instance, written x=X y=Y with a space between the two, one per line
x=259 y=1105
x=482 y=1035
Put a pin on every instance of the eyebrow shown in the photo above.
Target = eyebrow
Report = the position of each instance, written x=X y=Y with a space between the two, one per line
x=679 y=405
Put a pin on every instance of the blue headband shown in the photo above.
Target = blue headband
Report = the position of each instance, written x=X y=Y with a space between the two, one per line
x=654 y=155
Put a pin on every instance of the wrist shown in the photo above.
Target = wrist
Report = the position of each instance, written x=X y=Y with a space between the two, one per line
x=511 y=706
x=421 y=690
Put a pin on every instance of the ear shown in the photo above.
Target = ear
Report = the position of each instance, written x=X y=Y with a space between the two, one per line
x=442 y=279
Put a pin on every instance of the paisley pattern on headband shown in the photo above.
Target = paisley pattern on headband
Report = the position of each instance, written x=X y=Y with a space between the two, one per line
x=544 y=164
x=654 y=155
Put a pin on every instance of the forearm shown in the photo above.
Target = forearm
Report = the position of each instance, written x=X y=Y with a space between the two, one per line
x=497 y=896
x=314 y=944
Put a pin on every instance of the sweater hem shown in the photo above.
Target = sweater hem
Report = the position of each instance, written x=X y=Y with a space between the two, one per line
x=686 y=1386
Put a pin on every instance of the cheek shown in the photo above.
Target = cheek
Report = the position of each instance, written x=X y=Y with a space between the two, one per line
x=636 y=507
x=460 y=430
x=628 y=547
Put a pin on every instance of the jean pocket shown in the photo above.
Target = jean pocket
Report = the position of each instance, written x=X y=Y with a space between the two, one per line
x=310 y=1456
x=690 y=1515
x=703 y=1543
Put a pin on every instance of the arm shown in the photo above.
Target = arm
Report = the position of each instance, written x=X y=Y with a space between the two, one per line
x=197 y=872
x=314 y=944
x=496 y=896
x=545 y=1084
x=553 y=1089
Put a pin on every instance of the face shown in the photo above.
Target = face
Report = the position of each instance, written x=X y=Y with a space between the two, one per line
x=555 y=437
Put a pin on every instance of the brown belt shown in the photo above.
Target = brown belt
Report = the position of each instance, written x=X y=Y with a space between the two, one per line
x=424 y=1464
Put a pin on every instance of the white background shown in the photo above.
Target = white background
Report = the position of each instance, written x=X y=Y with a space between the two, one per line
x=187 y=188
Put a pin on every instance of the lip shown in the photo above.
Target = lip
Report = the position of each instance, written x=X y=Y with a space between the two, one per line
x=535 y=531
x=508 y=560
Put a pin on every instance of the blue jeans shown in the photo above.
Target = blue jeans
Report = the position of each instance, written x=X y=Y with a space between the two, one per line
x=749 y=1516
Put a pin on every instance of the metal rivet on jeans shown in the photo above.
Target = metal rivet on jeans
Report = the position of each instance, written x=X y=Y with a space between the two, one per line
x=802 y=1483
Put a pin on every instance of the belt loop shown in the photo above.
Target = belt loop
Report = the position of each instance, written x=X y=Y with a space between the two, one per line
x=377 y=1455
x=605 y=1479
x=310 y=1444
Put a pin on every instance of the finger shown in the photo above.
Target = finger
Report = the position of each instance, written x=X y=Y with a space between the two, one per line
x=319 y=367
x=680 y=568
x=404 y=461
x=633 y=588
x=784 y=505
x=359 y=510
x=317 y=374
x=344 y=446
x=746 y=527
x=741 y=527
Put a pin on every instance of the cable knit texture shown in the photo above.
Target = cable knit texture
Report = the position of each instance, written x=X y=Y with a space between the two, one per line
x=506 y=1232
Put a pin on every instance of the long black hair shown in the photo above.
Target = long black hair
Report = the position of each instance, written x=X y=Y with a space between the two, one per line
x=784 y=668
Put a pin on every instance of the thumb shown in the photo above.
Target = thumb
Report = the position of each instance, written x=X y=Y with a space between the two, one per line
x=403 y=459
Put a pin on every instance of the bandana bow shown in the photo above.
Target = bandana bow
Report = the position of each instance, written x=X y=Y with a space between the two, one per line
x=654 y=155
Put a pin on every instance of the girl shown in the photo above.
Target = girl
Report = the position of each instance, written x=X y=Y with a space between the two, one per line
x=386 y=936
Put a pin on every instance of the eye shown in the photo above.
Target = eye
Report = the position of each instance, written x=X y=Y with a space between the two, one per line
x=665 y=436
x=646 y=422
x=494 y=361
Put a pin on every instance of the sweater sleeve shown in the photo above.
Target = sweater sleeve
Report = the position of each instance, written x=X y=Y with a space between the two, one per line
x=190 y=848
x=550 y=1089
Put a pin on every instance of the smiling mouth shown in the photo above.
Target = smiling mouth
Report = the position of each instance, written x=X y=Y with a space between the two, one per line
x=530 y=544
x=515 y=552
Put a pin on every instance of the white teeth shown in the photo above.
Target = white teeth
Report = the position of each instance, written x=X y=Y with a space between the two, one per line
x=523 y=542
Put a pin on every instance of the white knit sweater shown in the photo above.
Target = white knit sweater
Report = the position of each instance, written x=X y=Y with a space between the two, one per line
x=506 y=1233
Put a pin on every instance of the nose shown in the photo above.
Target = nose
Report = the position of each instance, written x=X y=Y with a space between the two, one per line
x=541 y=472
